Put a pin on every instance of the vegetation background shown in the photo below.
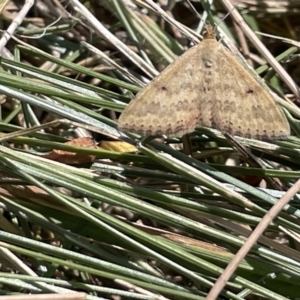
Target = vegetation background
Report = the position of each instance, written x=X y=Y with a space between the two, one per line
x=85 y=215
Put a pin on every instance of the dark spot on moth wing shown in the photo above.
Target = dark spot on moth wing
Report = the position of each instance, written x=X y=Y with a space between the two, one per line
x=226 y=87
x=182 y=106
x=207 y=80
x=229 y=106
x=164 y=88
x=206 y=89
x=239 y=131
x=250 y=91
x=207 y=63
x=152 y=131
x=259 y=134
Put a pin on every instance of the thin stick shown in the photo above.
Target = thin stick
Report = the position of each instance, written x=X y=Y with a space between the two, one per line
x=16 y=22
x=266 y=220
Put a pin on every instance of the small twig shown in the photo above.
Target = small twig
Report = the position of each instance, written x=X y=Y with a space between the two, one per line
x=16 y=22
x=244 y=45
x=266 y=220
